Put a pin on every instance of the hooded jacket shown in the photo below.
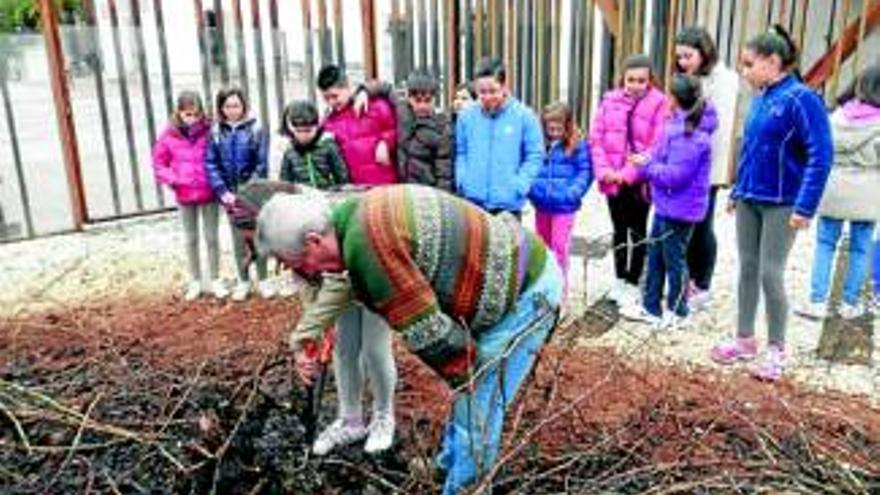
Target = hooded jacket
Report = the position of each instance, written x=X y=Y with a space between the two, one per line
x=563 y=180
x=237 y=152
x=359 y=136
x=318 y=163
x=179 y=162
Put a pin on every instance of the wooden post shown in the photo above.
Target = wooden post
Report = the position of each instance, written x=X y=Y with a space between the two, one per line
x=64 y=113
x=368 y=26
x=452 y=56
x=306 y=14
x=277 y=56
x=510 y=51
x=805 y=9
x=860 y=41
x=587 y=81
x=163 y=56
x=260 y=63
x=221 y=39
x=435 y=38
x=325 y=44
x=244 y=81
x=831 y=94
x=671 y=26
x=337 y=29
x=16 y=153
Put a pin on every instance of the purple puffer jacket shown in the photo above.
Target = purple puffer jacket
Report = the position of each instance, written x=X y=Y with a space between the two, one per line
x=679 y=168
x=359 y=136
x=608 y=135
x=179 y=162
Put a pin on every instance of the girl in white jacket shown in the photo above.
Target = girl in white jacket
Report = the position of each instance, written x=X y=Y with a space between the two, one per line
x=697 y=55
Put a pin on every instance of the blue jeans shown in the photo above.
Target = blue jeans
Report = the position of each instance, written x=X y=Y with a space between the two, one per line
x=506 y=353
x=667 y=261
x=827 y=236
x=877 y=266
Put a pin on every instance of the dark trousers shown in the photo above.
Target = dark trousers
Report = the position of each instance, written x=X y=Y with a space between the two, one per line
x=629 y=216
x=669 y=241
x=703 y=248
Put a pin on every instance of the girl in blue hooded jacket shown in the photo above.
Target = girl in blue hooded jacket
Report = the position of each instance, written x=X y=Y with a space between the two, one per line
x=238 y=152
x=783 y=166
x=562 y=182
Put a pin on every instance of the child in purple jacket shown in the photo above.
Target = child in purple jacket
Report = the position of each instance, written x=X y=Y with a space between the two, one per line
x=678 y=173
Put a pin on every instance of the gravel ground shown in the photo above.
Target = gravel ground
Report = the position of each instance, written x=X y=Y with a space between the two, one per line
x=145 y=256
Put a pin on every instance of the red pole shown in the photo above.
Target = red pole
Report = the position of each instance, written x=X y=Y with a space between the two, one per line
x=64 y=113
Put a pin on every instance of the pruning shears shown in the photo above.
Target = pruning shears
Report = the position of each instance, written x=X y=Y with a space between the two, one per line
x=322 y=353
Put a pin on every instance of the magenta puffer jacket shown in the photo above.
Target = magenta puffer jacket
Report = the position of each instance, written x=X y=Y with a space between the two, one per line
x=179 y=163
x=358 y=137
x=610 y=140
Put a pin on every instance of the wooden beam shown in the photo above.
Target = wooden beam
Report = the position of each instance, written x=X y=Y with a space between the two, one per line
x=610 y=15
x=847 y=43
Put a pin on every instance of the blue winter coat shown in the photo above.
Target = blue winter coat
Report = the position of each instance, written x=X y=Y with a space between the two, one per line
x=680 y=168
x=786 y=150
x=236 y=153
x=497 y=156
x=563 y=180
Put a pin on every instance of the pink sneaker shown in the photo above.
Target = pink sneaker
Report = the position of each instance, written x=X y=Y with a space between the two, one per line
x=771 y=367
x=739 y=349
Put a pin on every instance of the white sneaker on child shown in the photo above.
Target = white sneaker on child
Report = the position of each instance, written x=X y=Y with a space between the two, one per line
x=267 y=289
x=850 y=311
x=812 y=310
x=637 y=312
x=219 y=289
x=338 y=434
x=241 y=290
x=381 y=434
x=193 y=290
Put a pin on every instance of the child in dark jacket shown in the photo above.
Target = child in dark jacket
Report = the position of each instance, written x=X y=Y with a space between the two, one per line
x=312 y=156
x=237 y=152
x=424 y=136
x=677 y=171
x=562 y=182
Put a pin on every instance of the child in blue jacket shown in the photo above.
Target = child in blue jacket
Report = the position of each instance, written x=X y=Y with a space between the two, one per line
x=237 y=152
x=783 y=167
x=562 y=182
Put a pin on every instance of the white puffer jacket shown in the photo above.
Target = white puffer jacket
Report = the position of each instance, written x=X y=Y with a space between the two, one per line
x=721 y=88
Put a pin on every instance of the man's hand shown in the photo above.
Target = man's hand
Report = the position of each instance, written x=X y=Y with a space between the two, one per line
x=361 y=103
x=798 y=222
x=383 y=157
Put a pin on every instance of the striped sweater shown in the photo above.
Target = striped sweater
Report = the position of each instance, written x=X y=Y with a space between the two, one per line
x=426 y=261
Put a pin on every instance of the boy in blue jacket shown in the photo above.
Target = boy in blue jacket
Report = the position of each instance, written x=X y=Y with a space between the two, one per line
x=499 y=145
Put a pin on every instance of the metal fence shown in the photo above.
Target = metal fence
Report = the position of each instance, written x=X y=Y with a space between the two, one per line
x=83 y=102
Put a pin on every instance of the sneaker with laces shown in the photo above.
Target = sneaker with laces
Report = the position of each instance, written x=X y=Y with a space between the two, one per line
x=381 y=434
x=850 y=311
x=637 y=312
x=675 y=322
x=219 y=289
x=699 y=299
x=267 y=289
x=812 y=310
x=193 y=290
x=241 y=291
x=772 y=365
x=739 y=349
x=338 y=434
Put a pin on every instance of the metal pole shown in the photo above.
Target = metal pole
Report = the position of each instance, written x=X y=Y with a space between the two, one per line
x=452 y=55
x=468 y=41
x=63 y=112
x=262 y=86
x=325 y=45
x=96 y=63
x=638 y=45
x=369 y=30
x=802 y=30
x=277 y=59
x=491 y=21
x=670 y=37
x=16 y=151
x=435 y=38
x=587 y=56
x=575 y=36
x=244 y=82
x=510 y=50
x=620 y=40
x=838 y=55
x=479 y=49
x=556 y=34
x=221 y=42
x=203 y=50
x=306 y=8
x=410 y=31
x=163 y=56
x=126 y=104
x=337 y=28
x=860 y=41
x=423 y=34
x=140 y=54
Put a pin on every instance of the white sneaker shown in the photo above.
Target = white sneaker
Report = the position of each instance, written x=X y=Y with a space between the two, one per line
x=700 y=299
x=287 y=287
x=338 y=435
x=812 y=310
x=193 y=290
x=850 y=311
x=241 y=290
x=267 y=289
x=219 y=289
x=637 y=312
x=381 y=434
x=616 y=293
x=632 y=294
x=675 y=322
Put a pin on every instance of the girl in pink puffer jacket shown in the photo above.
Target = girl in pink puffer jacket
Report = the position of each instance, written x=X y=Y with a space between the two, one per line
x=179 y=163
x=629 y=119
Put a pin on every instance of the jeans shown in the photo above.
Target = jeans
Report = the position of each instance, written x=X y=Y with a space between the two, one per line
x=827 y=236
x=506 y=354
x=666 y=260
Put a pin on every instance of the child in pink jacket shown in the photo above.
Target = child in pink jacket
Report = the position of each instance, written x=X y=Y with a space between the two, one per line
x=179 y=163
x=629 y=119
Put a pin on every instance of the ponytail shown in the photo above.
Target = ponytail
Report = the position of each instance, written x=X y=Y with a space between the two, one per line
x=777 y=41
